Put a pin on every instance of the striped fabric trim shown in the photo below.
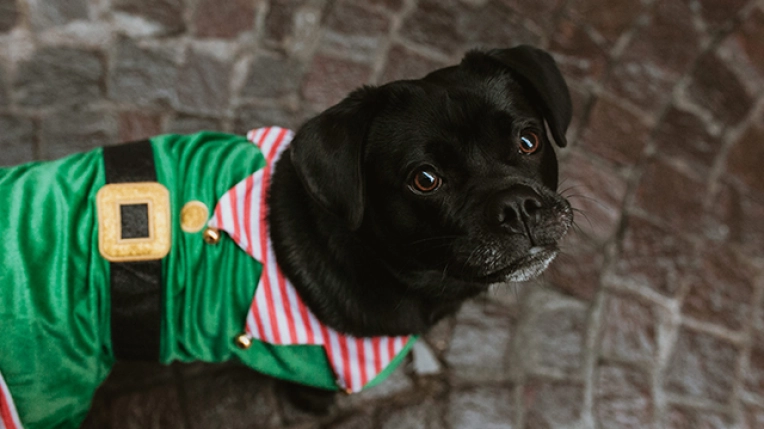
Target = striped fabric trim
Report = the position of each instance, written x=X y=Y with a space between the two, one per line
x=277 y=314
x=9 y=418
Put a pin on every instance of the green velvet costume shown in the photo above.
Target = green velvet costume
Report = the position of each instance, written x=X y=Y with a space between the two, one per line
x=54 y=284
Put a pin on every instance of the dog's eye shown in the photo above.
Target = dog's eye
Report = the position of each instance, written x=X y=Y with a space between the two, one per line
x=426 y=180
x=529 y=142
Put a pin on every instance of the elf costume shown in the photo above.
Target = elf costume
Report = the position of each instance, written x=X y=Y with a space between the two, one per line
x=117 y=254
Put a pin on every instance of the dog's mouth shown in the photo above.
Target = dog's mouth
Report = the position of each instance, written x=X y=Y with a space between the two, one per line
x=526 y=268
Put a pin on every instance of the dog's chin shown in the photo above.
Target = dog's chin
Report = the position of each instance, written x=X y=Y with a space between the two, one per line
x=526 y=268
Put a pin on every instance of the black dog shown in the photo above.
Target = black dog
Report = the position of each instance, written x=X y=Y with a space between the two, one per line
x=386 y=213
x=404 y=200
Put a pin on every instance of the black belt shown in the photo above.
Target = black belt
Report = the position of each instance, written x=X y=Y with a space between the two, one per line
x=136 y=287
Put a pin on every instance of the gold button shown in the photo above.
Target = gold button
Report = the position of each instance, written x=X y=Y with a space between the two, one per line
x=243 y=341
x=211 y=235
x=194 y=216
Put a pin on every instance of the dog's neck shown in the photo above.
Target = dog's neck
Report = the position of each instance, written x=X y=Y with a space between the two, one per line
x=339 y=278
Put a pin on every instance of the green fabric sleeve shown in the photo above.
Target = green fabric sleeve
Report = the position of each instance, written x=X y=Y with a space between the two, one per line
x=207 y=287
x=54 y=302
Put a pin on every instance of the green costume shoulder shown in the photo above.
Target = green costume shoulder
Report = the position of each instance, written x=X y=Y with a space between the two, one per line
x=53 y=295
x=54 y=303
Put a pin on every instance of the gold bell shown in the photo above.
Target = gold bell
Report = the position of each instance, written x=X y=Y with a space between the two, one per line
x=193 y=216
x=211 y=235
x=243 y=341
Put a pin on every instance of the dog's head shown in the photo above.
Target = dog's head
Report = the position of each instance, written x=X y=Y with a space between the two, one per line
x=451 y=180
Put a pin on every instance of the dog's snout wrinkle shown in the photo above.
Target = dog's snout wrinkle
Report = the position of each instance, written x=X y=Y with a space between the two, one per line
x=512 y=209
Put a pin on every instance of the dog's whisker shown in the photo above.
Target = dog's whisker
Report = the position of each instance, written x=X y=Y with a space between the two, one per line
x=563 y=181
x=576 y=224
x=568 y=189
x=588 y=198
x=564 y=252
x=586 y=217
x=424 y=240
x=543 y=282
x=578 y=230
x=469 y=258
x=443 y=279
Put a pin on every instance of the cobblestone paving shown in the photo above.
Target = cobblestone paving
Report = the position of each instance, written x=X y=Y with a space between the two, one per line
x=652 y=318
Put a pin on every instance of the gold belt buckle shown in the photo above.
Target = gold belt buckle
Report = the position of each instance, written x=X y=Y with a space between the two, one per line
x=119 y=239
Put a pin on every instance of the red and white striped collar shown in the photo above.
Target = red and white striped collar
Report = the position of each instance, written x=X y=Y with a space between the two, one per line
x=277 y=314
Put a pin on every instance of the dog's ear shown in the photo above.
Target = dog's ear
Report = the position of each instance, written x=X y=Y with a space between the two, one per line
x=538 y=69
x=327 y=153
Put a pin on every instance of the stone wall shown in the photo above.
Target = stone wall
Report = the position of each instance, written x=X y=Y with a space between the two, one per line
x=653 y=317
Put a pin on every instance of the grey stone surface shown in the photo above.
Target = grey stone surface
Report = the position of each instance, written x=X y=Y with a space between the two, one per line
x=357 y=421
x=351 y=28
x=433 y=23
x=62 y=76
x=753 y=368
x=424 y=360
x=254 y=116
x=552 y=335
x=631 y=334
x=561 y=338
x=18 y=140
x=406 y=64
x=653 y=257
x=485 y=408
x=419 y=416
x=481 y=342
x=137 y=125
x=652 y=316
x=272 y=77
x=281 y=20
x=623 y=398
x=143 y=76
x=602 y=216
x=553 y=404
x=203 y=84
x=719 y=91
x=183 y=124
x=66 y=132
x=166 y=15
x=4 y=93
x=9 y=15
x=702 y=145
x=216 y=19
x=44 y=14
x=683 y=418
x=330 y=79
x=702 y=366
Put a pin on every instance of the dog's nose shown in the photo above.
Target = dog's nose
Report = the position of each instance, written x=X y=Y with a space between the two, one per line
x=512 y=208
